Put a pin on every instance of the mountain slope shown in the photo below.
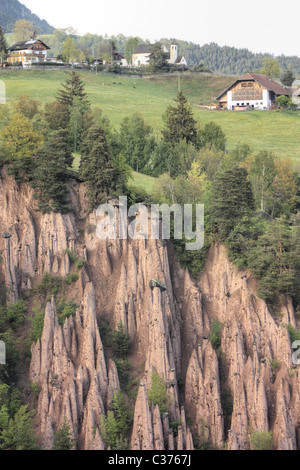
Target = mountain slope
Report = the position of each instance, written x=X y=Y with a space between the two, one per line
x=13 y=10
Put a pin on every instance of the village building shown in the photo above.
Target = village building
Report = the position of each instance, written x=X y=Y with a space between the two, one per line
x=118 y=58
x=252 y=90
x=28 y=52
x=140 y=55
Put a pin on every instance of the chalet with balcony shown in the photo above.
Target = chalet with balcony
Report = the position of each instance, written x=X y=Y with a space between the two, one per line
x=252 y=91
x=28 y=52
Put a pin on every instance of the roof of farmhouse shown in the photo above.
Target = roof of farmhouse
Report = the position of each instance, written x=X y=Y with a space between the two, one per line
x=143 y=49
x=23 y=45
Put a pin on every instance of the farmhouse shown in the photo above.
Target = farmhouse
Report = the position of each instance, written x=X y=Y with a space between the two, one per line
x=252 y=90
x=141 y=55
x=118 y=58
x=28 y=52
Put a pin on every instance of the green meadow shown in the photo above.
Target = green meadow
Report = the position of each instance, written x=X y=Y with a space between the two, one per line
x=119 y=96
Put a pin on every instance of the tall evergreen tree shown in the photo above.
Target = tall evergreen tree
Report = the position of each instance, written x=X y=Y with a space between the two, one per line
x=232 y=200
x=50 y=173
x=3 y=46
x=97 y=167
x=73 y=88
x=179 y=122
x=73 y=98
x=136 y=141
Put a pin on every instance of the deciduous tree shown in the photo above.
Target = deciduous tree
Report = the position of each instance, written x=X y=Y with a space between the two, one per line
x=23 y=30
x=157 y=58
x=271 y=68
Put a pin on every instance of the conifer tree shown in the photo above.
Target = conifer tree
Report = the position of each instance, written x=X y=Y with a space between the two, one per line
x=50 y=173
x=3 y=46
x=73 y=98
x=64 y=437
x=179 y=122
x=97 y=167
x=233 y=199
x=73 y=88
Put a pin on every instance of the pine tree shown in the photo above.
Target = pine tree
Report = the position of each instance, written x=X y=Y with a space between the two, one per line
x=64 y=437
x=19 y=432
x=50 y=174
x=73 y=98
x=233 y=199
x=97 y=167
x=179 y=122
x=73 y=88
x=273 y=260
x=3 y=46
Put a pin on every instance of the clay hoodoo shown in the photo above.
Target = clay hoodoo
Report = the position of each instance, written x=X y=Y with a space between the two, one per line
x=169 y=324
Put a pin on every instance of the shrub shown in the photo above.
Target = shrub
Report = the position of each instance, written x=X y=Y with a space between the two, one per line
x=158 y=394
x=80 y=263
x=116 y=424
x=65 y=310
x=294 y=334
x=37 y=323
x=261 y=440
x=15 y=313
x=64 y=437
x=215 y=334
x=120 y=341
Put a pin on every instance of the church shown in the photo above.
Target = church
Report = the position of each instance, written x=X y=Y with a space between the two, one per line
x=140 y=55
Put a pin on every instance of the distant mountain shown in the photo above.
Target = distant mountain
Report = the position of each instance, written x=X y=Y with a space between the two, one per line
x=13 y=10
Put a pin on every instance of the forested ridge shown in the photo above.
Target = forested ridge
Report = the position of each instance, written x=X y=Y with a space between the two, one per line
x=217 y=59
x=13 y=10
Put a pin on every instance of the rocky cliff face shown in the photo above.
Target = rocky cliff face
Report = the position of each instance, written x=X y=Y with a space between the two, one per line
x=215 y=396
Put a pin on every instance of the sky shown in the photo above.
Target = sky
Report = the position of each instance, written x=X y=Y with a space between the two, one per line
x=258 y=25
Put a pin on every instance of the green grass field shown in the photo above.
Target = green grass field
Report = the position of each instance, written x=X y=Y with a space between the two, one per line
x=120 y=96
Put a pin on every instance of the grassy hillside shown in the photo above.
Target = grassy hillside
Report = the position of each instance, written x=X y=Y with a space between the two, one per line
x=121 y=96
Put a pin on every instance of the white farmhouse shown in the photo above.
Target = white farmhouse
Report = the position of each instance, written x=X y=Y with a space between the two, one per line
x=141 y=55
